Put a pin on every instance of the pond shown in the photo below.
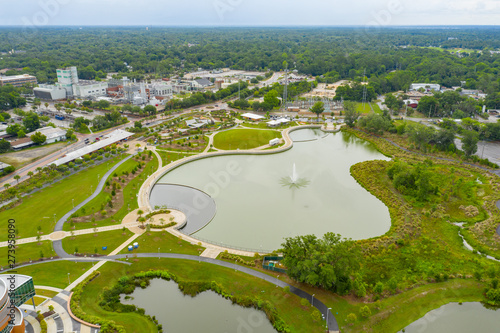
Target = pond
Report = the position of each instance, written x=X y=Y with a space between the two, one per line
x=456 y=318
x=179 y=313
x=257 y=207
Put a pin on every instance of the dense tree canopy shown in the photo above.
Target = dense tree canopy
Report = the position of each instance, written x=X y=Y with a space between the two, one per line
x=328 y=263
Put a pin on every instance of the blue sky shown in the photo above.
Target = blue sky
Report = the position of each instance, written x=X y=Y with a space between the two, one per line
x=249 y=12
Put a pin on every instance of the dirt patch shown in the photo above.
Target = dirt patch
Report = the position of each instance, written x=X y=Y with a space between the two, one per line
x=23 y=157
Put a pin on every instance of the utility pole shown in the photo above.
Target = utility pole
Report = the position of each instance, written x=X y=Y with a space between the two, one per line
x=364 y=89
x=285 y=91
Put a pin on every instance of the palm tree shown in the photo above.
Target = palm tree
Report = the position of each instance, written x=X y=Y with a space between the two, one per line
x=46 y=105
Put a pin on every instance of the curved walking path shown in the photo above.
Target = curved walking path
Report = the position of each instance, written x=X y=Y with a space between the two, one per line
x=143 y=200
x=100 y=186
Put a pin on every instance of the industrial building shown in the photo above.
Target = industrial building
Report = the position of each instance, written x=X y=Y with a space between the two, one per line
x=15 y=290
x=17 y=80
x=67 y=80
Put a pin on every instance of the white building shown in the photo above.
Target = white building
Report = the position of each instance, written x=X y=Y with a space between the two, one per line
x=277 y=122
x=50 y=92
x=252 y=116
x=113 y=137
x=53 y=134
x=159 y=89
x=425 y=86
x=89 y=88
x=66 y=78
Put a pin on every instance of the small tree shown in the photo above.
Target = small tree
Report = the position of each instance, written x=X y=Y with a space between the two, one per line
x=140 y=212
x=351 y=318
x=30 y=174
x=17 y=177
x=318 y=108
x=365 y=311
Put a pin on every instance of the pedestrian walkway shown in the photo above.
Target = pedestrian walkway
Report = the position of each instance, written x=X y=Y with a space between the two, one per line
x=210 y=252
x=58 y=235
x=100 y=263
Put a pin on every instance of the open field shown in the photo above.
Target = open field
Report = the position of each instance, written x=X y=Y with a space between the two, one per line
x=20 y=158
x=31 y=251
x=89 y=243
x=244 y=138
x=55 y=274
x=165 y=242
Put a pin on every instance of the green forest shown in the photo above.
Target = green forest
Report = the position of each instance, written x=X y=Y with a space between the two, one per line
x=390 y=59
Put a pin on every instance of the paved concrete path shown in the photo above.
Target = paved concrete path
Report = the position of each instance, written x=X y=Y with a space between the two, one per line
x=57 y=290
x=59 y=235
x=100 y=186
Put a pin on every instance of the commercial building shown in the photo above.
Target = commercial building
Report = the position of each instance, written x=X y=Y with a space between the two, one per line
x=3 y=166
x=50 y=92
x=15 y=290
x=108 y=140
x=52 y=135
x=17 y=80
x=202 y=83
x=252 y=116
x=425 y=86
x=277 y=122
x=67 y=80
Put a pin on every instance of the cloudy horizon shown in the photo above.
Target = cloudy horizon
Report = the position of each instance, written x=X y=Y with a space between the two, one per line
x=378 y=13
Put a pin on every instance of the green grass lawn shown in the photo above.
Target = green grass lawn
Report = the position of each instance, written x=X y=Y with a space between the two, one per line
x=287 y=305
x=168 y=157
x=366 y=109
x=244 y=138
x=27 y=252
x=39 y=209
x=166 y=242
x=129 y=196
x=95 y=204
x=394 y=313
x=55 y=274
x=376 y=107
x=88 y=243
x=38 y=301
x=45 y=292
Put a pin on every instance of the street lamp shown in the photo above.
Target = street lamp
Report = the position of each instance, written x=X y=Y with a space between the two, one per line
x=69 y=282
x=327 y=317
x=73 y=201
x=312 y=299
x=158 y=253
x=54 y=218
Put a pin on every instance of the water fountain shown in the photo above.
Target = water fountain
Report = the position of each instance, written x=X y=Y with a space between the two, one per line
x=294 y=177
x=294 y=181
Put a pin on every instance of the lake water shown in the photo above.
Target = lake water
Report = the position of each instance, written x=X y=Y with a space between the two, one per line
x=256 y=208
x=206 y=312
x=465 y=318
